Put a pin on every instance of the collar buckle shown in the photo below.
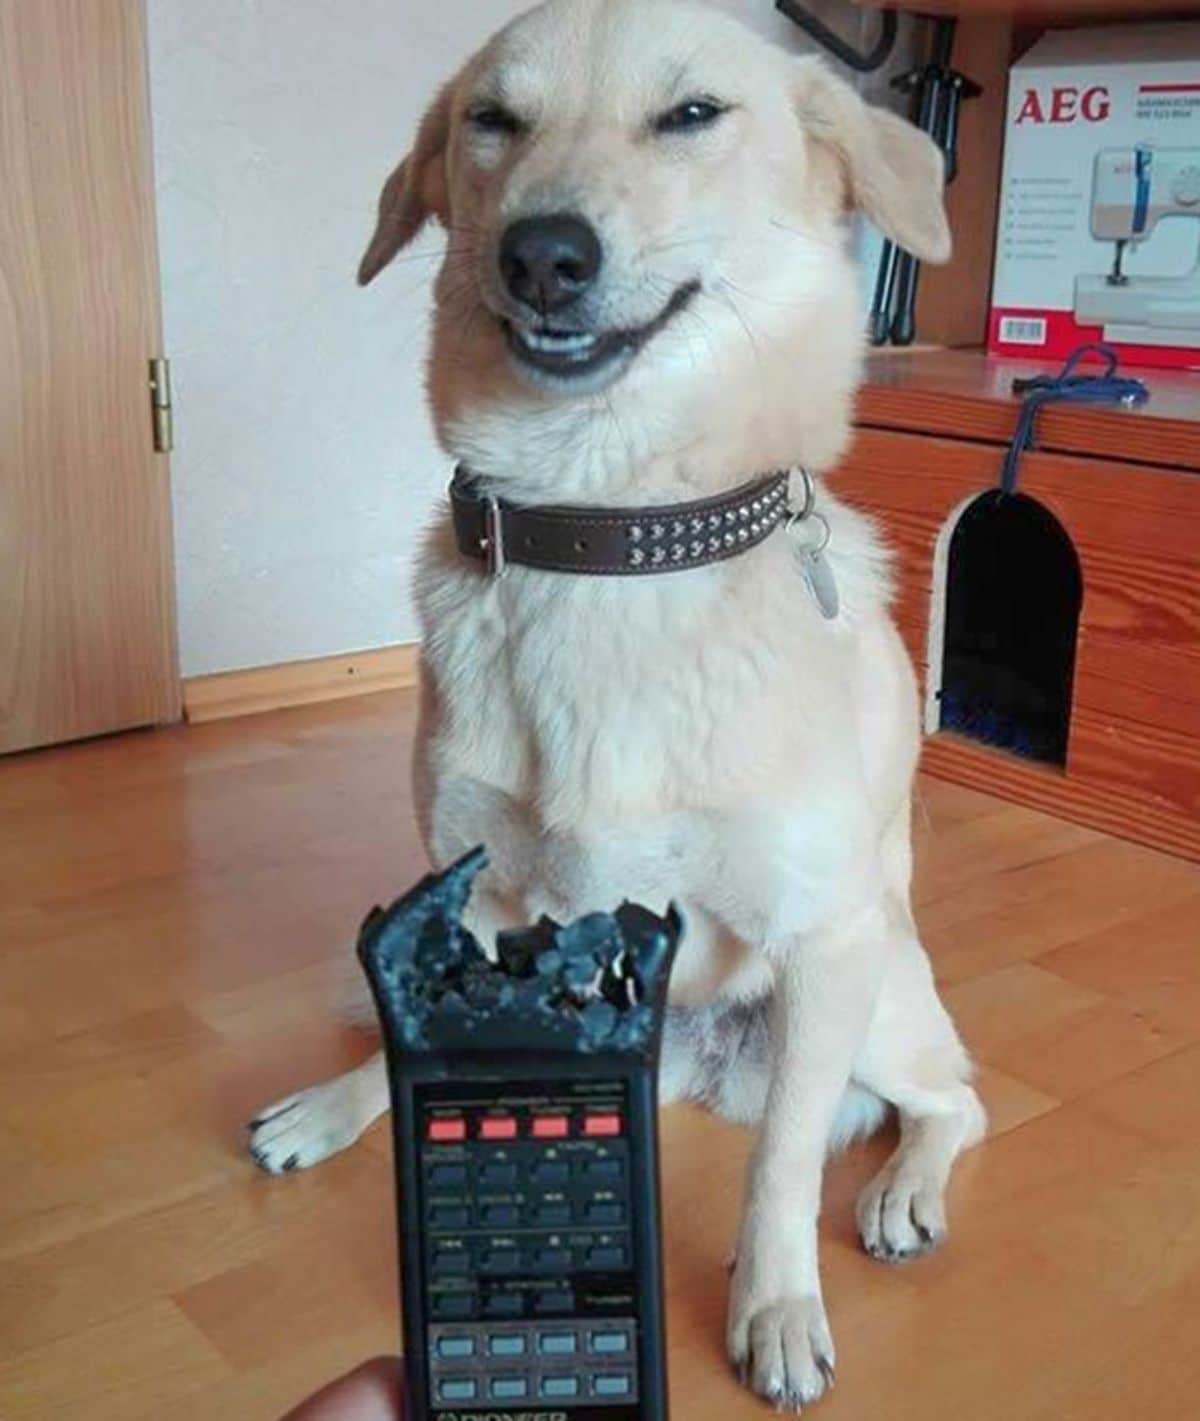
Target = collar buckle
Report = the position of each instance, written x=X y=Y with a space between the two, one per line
x=492 y=541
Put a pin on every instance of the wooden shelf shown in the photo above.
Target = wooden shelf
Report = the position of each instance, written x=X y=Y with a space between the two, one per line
x=1122 y=483
x=967 y=394
x=1049 y=11
x=1124 y=486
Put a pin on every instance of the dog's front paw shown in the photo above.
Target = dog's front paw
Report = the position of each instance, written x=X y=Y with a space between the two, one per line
x=901 y=1213
x=782 y=1350
x=306 y=1128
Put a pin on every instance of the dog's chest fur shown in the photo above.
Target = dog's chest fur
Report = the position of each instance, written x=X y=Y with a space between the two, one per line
x=677 y=735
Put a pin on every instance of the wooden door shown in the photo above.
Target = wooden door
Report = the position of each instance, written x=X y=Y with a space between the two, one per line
x=87 y=637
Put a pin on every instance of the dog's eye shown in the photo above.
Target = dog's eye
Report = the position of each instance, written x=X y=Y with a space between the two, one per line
x=494 y=118
x=689 y=115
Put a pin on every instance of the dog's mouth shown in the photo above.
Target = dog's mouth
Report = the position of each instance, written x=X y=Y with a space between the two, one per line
x=563 y=356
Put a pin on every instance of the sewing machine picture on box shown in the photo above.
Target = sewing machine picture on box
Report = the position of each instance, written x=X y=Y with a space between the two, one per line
x=1096 y=237
x=1134 y=190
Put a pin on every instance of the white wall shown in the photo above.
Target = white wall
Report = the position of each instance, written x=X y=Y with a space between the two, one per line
x=304 y=463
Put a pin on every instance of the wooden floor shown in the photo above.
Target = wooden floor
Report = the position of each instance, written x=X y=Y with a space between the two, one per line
x=172 y=913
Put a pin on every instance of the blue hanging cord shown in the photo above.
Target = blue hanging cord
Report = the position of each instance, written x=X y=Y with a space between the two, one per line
x=1107 y=388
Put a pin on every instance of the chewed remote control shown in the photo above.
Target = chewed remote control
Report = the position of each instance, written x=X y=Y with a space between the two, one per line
x=525 y=1118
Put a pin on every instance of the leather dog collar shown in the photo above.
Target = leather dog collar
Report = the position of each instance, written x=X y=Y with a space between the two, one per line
x=616 y=542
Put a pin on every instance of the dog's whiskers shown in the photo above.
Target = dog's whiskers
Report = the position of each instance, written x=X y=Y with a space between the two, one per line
x=741 y=320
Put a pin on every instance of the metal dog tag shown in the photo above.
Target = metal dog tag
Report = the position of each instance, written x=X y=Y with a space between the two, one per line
x=818 y=575
x=809 y=532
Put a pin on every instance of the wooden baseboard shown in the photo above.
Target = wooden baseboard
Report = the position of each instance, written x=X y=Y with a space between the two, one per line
x=299 y=683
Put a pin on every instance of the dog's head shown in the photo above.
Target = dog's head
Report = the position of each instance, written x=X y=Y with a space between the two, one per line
x=632 y=189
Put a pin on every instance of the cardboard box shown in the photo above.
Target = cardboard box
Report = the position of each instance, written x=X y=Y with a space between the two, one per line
x=1099 y=227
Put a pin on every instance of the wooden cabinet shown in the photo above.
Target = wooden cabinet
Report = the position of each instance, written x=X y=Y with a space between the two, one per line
x=1047 y=12
x=1125 y=487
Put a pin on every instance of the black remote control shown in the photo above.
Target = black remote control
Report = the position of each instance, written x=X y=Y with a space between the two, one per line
x=524 y=1099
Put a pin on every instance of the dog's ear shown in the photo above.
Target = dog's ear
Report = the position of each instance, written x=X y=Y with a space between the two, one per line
x=414 y=192
x=894 y=173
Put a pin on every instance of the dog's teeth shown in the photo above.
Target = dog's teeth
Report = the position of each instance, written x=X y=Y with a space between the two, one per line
x=550 y=344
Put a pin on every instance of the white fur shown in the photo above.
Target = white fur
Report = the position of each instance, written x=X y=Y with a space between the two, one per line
x=704 y=736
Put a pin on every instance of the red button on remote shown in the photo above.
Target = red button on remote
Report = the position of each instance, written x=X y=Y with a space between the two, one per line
x=498 y=1127
x=448 y=1130
x=550 y=1127
x=595 y=1125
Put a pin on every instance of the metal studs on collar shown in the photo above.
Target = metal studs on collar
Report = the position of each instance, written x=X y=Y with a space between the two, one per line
x=697 y=537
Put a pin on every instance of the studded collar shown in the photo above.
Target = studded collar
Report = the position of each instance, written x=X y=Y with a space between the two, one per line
x=616 y=542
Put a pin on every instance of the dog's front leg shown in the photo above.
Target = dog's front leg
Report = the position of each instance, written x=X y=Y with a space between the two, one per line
x=825 y=986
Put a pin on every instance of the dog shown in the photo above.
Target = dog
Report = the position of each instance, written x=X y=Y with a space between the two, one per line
x=647 y=299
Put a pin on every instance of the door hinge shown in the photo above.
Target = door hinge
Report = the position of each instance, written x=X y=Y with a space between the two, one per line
x=160 y=405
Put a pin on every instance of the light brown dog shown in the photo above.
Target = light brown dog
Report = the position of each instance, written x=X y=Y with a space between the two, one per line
x=646 y=298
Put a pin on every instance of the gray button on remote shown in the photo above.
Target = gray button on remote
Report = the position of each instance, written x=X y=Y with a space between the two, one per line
x=604 y=1171
x=606 y=1258
x=506 y=1346
x=617 y=1384
x=449 y=1218
x=454 y=1304
x=610 y=1342
x=558 y=1387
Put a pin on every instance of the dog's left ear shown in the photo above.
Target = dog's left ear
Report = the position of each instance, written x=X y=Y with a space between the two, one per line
x=895 y=174
x=414 y=192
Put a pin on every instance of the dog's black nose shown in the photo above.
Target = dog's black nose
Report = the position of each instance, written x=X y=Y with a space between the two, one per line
x=548 y=262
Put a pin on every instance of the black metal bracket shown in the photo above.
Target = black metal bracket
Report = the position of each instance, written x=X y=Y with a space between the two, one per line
x=937 y=92
x=836 y=45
